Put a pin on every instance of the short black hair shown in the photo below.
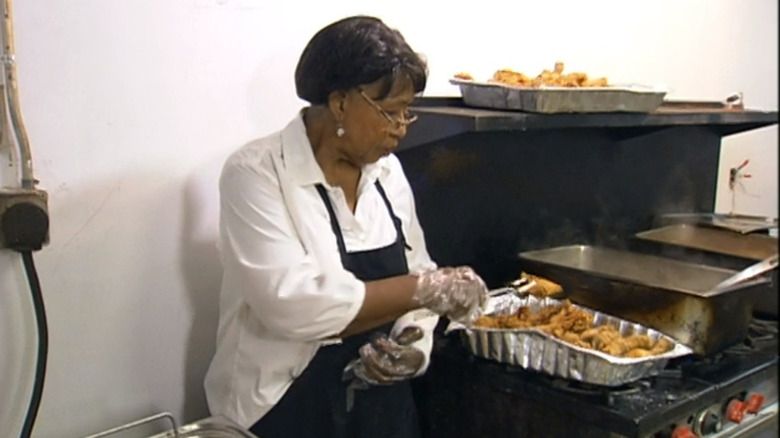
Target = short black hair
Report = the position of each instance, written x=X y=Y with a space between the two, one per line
x=354 y=51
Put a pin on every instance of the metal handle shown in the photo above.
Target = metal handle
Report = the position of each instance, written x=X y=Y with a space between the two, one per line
x=746 y=274
x=139 y=423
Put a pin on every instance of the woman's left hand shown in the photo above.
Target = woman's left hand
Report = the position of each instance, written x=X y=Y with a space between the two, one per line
x=385 y=360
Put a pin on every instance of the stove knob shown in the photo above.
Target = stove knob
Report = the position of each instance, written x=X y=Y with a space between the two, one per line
x=754 y=403
x=683 y=432
x=735 y=411
x=710 y=423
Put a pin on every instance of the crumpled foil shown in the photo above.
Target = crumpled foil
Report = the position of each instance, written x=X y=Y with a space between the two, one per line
x=535 y=350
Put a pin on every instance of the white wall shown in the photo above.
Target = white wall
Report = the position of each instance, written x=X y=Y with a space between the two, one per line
x=131 y=106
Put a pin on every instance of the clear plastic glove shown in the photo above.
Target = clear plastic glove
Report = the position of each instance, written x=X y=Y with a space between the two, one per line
x=457 y=293
x=384 y=360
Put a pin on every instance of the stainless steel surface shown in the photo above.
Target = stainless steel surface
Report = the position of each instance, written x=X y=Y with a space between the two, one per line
x=719 y=241
x=560 y=99
x=717 y=247
x=748 y=273
x=212 y=427
x=733 y=222
x=671 y=296
x=536 y=350
x=137 y=423
x=658 y=272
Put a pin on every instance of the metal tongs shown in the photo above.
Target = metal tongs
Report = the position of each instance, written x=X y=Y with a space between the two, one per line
x=746 y=274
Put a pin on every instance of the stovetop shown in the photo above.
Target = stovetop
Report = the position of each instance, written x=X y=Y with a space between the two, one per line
x=643 y=408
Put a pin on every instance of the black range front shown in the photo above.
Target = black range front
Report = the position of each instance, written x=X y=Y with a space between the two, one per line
x=465 y=396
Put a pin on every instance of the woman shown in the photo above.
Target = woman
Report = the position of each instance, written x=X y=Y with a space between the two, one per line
x=326 y=273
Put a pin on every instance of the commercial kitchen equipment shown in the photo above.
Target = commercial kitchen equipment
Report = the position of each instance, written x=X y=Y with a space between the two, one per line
x=490 y=184
x=678 y=298
x=716 y=244
x=209 y=427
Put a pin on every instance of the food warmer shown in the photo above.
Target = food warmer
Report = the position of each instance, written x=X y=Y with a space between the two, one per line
x=491 y=184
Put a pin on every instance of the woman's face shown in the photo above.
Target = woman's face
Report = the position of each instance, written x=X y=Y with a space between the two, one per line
x=374 y=127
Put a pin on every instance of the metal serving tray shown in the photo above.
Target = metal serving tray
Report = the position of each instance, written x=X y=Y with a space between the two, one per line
x=750 y=247
x=632 y=98
x=716 y=247
x=211 y=427
x=674 y=297
x=535 y=350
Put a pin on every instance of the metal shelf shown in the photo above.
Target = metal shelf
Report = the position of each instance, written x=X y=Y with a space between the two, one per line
x=442 y=117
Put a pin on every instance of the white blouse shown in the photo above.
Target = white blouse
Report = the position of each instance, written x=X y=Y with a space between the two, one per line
x=284 y=291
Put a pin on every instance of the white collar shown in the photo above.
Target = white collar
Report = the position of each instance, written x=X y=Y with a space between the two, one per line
x=301 y=165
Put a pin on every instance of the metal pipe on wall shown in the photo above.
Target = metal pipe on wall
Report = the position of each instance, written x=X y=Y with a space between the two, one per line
x=11 y=99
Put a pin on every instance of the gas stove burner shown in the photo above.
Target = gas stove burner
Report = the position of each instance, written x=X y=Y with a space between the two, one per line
x=599 y=393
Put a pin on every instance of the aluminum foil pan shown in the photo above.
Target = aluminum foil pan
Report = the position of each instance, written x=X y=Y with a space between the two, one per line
x=535 y=350
x=629 y=98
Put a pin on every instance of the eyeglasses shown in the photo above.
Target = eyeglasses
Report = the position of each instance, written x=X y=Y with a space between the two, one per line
x=405 y=119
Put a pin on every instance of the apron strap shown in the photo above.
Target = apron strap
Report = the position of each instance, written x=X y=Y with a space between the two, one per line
x=395 y=218
x=334 y=223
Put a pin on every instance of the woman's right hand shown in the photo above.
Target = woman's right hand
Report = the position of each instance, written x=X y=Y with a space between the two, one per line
x=457 y=293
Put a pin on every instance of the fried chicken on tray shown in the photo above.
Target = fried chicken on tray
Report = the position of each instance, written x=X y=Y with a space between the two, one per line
x=547 y=78
x=575 y=326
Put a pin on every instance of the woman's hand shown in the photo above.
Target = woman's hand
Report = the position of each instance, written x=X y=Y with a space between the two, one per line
x=384 y=360
x=457 y=293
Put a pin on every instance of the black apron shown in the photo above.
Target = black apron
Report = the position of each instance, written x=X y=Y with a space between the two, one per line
x=315 y=404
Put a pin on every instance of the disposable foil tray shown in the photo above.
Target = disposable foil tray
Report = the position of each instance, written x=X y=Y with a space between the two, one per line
x=628 y=98
x=535 y=350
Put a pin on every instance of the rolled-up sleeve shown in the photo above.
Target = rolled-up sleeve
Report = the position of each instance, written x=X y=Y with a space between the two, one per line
x=266 y=263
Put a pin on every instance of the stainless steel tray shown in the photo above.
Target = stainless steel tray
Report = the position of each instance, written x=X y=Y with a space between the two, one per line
x=211 y=427
x=716 y=247
x=633 y=98
x=535 y=350
x=752 y=247
x=733 y=222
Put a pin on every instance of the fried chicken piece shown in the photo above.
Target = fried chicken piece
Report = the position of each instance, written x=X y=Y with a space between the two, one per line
x=605 y=338
x=572 y=319
x=511 y=77
x=487 y=321
x=543 y=286
x=638 y=341
x=574 y=339
x=617 y=347
x=661 y=346
x=543 y=315
x=638 y=352
x=602 y=334
x=464 y=76
x=550 y=78
x=518 y=320
x=570 y=337
x=598 y=82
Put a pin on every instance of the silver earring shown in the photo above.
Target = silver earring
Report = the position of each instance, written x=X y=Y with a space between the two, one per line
x=340 y=131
